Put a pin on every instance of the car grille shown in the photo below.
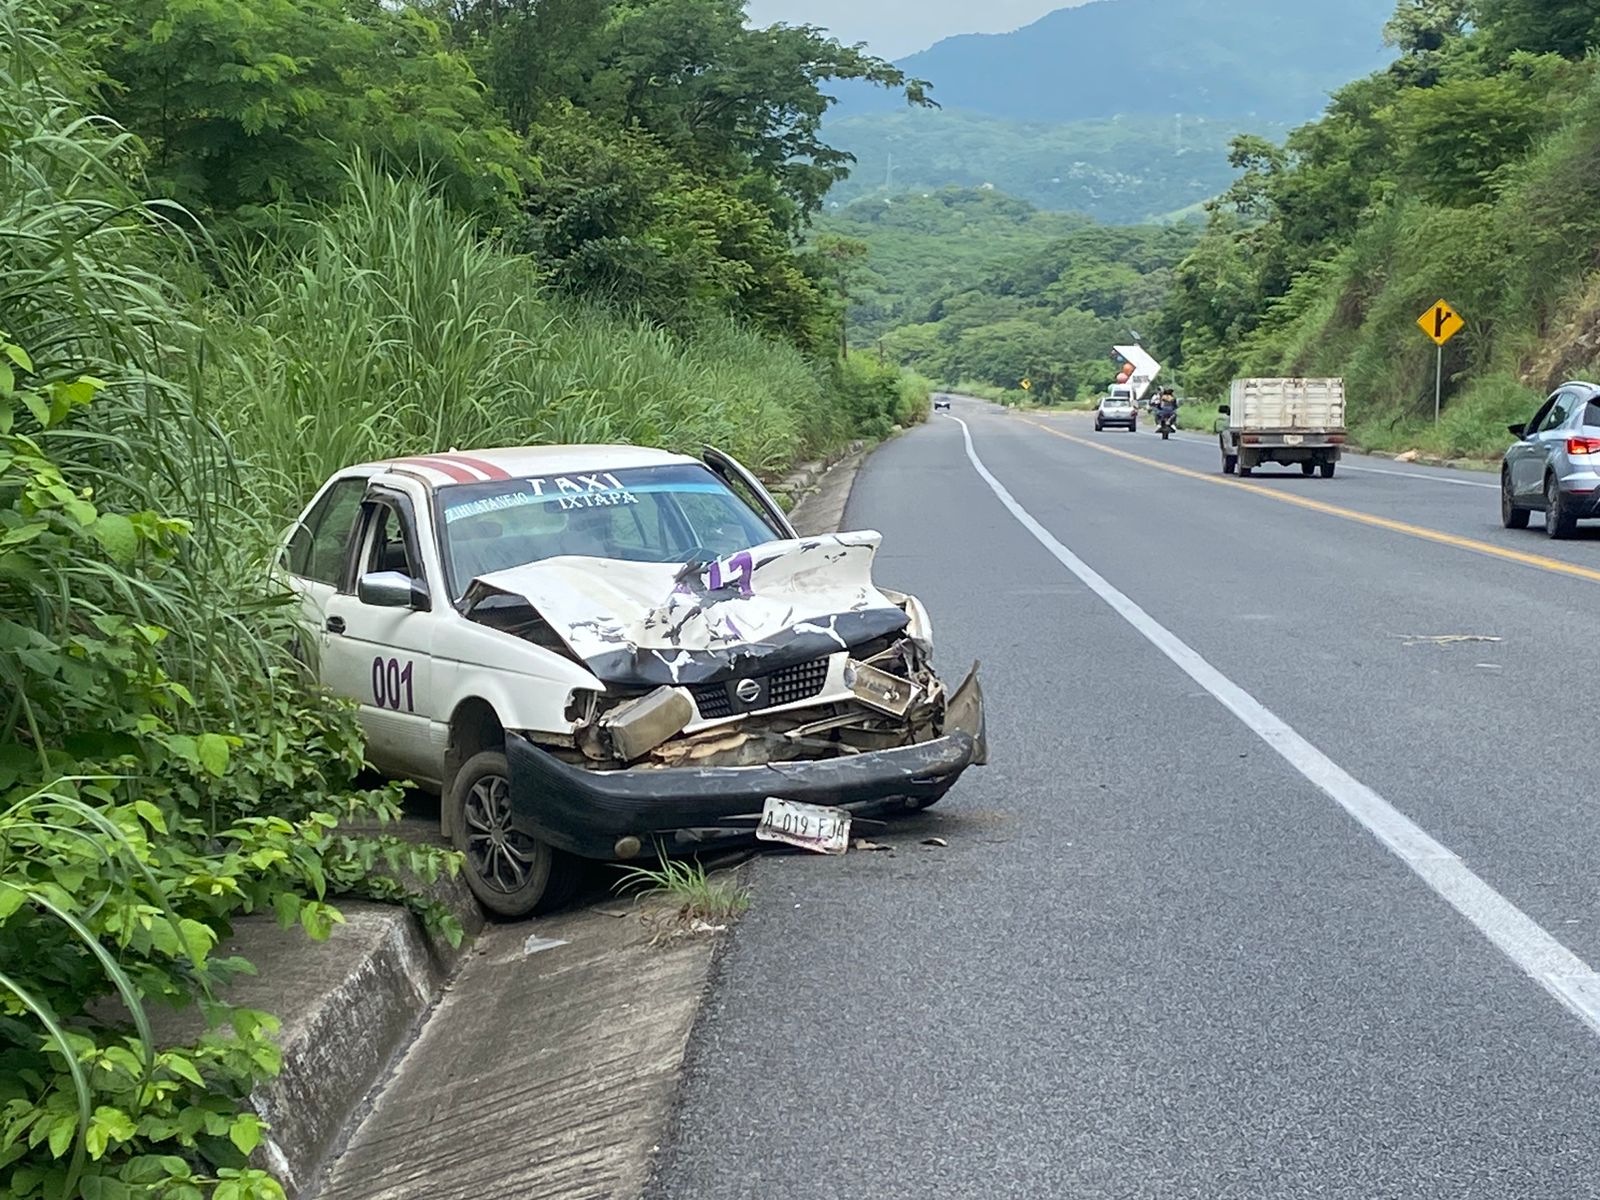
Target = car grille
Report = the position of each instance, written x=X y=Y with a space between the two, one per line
x=713 y=701
x=792 y=685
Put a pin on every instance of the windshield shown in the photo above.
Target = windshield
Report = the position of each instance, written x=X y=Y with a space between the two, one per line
x=665 y=514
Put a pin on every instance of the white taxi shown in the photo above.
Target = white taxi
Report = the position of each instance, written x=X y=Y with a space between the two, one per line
x=604 y=652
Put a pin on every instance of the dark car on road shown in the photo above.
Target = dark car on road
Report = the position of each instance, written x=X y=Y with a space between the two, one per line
x=1554 y=465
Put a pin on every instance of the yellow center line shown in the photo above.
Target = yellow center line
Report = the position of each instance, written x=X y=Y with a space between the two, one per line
x=1539 y=561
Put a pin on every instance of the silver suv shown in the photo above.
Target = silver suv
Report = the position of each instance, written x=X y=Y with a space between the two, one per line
x=1118 y=411
x=1554 y=466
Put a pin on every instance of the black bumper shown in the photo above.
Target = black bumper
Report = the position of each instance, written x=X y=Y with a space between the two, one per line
x=586 y=812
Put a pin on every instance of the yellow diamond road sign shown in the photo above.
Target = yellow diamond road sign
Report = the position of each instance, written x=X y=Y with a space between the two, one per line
x=1441 y=322
x=1027 y=385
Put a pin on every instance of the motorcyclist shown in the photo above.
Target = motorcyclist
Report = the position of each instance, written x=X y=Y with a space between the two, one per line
x=1167 y=406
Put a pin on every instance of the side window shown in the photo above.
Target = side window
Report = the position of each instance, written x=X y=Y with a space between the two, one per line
x=320 y=546
x=386 y=545
x=1591 y=414
x=1560 y=410
x=1541 y=417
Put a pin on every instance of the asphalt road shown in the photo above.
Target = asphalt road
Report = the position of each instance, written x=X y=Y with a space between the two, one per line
x=1159 y=956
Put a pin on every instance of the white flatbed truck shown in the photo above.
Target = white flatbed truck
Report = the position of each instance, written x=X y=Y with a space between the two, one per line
x=1288 y=421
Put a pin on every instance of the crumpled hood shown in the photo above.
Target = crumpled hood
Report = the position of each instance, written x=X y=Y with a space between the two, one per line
x=647 y=624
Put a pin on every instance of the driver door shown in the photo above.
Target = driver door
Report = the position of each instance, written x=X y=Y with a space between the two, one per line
x=748 y=488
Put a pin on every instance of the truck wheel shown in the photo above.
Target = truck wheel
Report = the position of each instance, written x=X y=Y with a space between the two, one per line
x=1230 y=463
x=511 y=873
x=1308 y=469
x=1245 y=472
x=1559 y=520
x=1328 y=469
x=1511 y=516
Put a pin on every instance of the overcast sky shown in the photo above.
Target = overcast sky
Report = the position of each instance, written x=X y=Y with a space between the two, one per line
x=895 y=28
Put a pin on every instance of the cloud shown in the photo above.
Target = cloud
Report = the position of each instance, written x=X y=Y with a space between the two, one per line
x=895 y=28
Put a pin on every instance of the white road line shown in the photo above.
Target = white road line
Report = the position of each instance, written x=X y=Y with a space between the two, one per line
x=1515 y=934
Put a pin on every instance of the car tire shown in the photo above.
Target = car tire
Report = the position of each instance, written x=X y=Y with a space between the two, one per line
x=1512 y=515
x=1099 y=428
x=511 y=873
x=1308 y=469
x=1559 y=522
x=1327 y=469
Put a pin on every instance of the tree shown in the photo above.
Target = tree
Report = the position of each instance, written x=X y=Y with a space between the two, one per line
x=1569 y=28
x=729 y=100
x=244 y=103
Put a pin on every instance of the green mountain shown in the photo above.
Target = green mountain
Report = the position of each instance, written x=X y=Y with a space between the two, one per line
x=1117 y=169
x=1270 y=58
x=1121 y=109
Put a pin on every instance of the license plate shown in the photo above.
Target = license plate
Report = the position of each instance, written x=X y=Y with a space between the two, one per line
x=1292 y=439
x=809 y=826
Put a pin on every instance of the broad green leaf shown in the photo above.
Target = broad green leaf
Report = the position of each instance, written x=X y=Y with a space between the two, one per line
x=245 y=1132
x=183 y=1069
x=117 y=537
x=212 y=751
x=197 y=939
x=11 y=899
x=151 y=815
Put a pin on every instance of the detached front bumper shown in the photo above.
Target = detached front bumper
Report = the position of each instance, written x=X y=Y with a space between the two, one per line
x=588 y=812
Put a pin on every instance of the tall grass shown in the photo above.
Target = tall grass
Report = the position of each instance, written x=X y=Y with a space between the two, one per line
x=386 y=326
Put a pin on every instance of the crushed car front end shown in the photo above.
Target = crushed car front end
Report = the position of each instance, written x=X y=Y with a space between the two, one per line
x=781 y=672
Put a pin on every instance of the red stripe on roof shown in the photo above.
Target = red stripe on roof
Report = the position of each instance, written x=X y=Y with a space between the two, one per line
x=489 y=470
x=450 y=470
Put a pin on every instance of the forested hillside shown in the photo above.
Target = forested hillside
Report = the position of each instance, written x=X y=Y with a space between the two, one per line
x=980 y=288
x=1471 y=171
x=1123 y=170
x=246 y=242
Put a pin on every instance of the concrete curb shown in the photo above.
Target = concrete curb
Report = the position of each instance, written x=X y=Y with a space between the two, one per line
x=348 y=1008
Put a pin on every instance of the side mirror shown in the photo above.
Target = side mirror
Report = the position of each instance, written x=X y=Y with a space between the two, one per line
x=1225 y=409
x=392 y=589
x=1517 y=431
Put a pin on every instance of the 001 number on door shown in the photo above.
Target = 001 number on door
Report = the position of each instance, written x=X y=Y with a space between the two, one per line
x=388 y=678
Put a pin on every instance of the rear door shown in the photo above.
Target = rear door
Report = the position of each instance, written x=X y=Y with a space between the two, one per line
x=1525 y=460
x=1551 y=440
x=317 y=557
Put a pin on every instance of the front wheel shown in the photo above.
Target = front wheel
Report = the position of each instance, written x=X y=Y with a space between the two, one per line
x=1559 y=520
x=1511 y=515
x=513 y=874
x=1099 y=428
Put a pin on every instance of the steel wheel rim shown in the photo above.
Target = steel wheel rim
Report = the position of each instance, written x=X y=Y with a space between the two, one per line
x=499 y=855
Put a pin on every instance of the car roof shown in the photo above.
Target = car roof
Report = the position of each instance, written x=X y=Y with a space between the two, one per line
x=454 y=467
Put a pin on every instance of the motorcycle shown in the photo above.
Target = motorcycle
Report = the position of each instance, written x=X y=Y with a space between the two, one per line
x=1167 y=425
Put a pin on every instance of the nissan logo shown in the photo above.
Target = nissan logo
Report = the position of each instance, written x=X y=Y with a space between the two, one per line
x=748 y=691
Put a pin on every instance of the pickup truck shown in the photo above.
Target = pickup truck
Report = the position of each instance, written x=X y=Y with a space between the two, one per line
x=1285 y=421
